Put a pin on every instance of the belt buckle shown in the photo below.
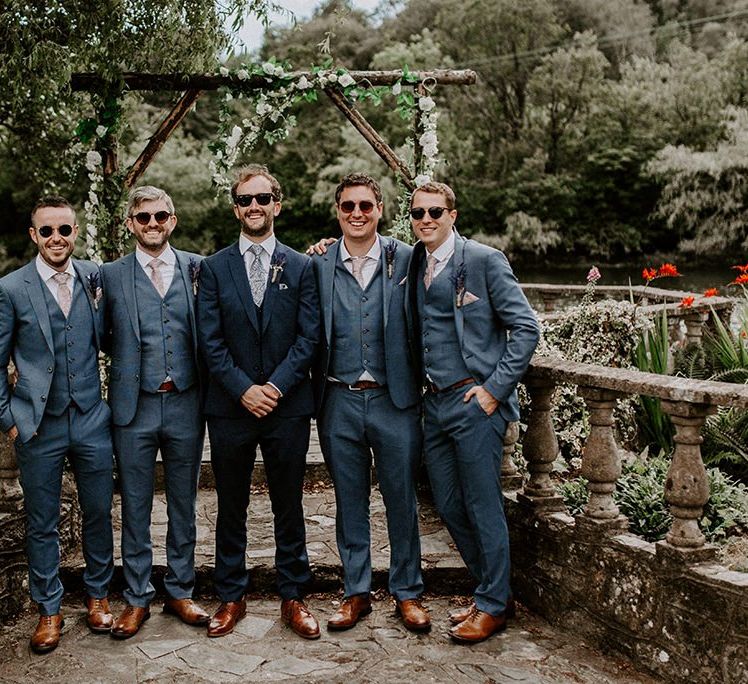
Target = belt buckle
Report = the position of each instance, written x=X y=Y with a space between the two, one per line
x=355 y=389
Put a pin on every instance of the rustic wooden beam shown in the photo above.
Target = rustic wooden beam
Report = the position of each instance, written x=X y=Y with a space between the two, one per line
x=165 y=129
x=371 y=136
x=142 y=81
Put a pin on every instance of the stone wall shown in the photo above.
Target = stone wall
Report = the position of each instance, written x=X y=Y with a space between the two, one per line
x=683 y=621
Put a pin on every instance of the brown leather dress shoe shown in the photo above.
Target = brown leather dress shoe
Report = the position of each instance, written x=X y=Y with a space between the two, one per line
x=187 y=611
x=226 y=617
x=46 y=636
x=351 y=610
x=414 y=616
x=478 y=627
x=458 y=616
x=129 y=622
x=99 y=618
x=300 y=619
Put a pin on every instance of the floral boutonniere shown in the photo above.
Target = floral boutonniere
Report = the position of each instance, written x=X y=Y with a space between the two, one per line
x=390 y=248
x=93 y=287
x=458 y=278
x=193 y=268
x=276 y=266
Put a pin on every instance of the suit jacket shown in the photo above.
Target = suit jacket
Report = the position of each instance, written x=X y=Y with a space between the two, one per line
x=494 y=305
x=26 y=337
x=238 y=351
x=403 y=381
x=122 y=330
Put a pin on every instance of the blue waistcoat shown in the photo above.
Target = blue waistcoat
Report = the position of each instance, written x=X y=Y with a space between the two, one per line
x=76 y=370
x=165 y=334
x=440 y=347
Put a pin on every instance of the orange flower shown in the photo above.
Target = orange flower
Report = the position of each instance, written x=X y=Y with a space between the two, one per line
x=742 y=279
x=742 y=269
x=668 y=271
x=686 y=302
x=649 y=274
x=711 y=292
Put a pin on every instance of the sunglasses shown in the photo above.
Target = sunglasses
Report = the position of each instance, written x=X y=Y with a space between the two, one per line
x=66 y=230
x=263 y=199
x=366 y=206
x=434 y=212
x=144 y=217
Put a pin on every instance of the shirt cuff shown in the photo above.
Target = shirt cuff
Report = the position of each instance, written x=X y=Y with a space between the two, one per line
x=280 y=394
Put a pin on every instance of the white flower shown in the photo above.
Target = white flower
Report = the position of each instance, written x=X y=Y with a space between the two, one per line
x=421 y=180
x=274 y=115
x=233 y=139
x=322 y=80
x=93 y=159
x=278 y=71
x=101 y=131
x=428 y=138
x=303 y=83
x=242 y=74
x=212 y=167
x=426 y=104
x=93 y=198
x=262 y=108
x=397 y=88
x=229 y=97
x=333 y=78
x=268 y=68
x=346 y=80
x=223 y=71
x=430 y=150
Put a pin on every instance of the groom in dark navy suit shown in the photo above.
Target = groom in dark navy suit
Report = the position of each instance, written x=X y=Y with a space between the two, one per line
x=258 y=328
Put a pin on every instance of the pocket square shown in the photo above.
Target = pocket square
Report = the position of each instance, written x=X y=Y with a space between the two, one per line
x=403 y=281
x=282 y=286
x=469 y=298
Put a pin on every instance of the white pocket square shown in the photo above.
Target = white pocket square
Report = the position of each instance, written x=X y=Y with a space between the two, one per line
x=402 y=282
x=282 y=286
x=469 y=298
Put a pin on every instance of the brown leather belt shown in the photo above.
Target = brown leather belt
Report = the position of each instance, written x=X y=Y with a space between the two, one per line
x=167 y=386
x=362 y=385
x=431 y=388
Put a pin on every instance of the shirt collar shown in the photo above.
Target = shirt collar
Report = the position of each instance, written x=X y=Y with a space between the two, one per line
x=167 y=256
x=373 y=253
x=268 y=244
x=444 y=250
x=46 y=271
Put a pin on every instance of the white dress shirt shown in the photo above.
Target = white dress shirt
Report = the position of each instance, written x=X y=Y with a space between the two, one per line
x=167 y=268
x=443 y=253
x=47 y=274
x=371 y=262
x=268 y=247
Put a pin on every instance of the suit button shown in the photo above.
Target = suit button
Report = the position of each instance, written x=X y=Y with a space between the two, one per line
x=364 y=299
x=68 y=327
x=426 y=349
x=44 y=398
x=170 y=353
x=137 y=377
x=137 y=348
x=70 y=344
x=49 y=370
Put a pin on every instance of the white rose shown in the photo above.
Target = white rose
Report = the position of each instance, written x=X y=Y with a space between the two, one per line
x=430 y=150
x=421 y=180
x=242 y=74
x=229 y=97
x=93 y=159
x=426 y=104
x=93 y=198
x=346 y=80
x=274 y=116
x=333 y=78
x=303 y=83
x=268 y=68
x=278 y=71
x=428 y=138
x=223 y=71
x=101 y=131
x=397 y=88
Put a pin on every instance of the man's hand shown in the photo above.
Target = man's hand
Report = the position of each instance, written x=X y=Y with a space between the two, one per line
x=260 y=400
x=12 y=433
x=321 y=246
x=485 y=399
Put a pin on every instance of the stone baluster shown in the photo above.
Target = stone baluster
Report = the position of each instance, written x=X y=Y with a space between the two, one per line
x=694 y=321
x=11 y=495
x=510 y=476
x=601 y=461
x=550 y=299
x=686 y=486
x=540 y=449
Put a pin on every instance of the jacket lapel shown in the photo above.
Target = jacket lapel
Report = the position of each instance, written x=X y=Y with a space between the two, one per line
x=457 y=260
x=85 y=289
x=34 y=287
x=272 y=288
x=387 y=282
x=239 y=274
x=183 y=268
x=127 y=280
x=327 y=287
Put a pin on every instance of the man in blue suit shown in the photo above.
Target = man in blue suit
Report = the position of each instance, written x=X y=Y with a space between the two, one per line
x=474 y=334
x=368 y=395
x=258 y=326
x=50 y=326
x=154 y=392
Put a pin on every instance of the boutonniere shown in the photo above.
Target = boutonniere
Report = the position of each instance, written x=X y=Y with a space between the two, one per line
x=458 y=278
x=93 y=287
x=276 y=266
x=193 y=268
x=390 y=248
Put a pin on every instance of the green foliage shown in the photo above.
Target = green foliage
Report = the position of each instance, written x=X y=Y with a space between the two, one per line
x=640 y=495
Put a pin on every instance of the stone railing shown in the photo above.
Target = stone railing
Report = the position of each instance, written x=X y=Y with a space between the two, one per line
x=668 y=605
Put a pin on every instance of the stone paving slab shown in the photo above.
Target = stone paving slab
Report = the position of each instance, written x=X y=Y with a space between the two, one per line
x=262 y=649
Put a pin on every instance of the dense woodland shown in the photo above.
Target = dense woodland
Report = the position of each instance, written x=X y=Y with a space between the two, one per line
x=600 y=129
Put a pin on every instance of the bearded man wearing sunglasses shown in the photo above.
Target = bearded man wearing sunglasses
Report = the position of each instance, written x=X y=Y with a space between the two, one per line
x=473 y=333
x=258 y=324
x=155 y=395
x=51 y=326
x=368 y=398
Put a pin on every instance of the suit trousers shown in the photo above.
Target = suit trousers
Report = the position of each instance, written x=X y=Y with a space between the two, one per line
x=84 y=439
x=172 y=423
x=284 y=442
x=353 y=424
x=463 y=448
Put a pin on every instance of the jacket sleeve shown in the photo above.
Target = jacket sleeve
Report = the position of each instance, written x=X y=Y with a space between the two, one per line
x=7 y=321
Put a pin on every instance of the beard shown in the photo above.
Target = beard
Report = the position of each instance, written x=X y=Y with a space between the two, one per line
x=252 y=229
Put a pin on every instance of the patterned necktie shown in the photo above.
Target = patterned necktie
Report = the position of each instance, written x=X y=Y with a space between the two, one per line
x=357 y=269
x=156 y=279
x=257 y=276
x=64 y=295
x=428 y=277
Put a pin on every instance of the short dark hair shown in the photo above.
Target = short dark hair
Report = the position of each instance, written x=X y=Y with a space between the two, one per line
x=437 y=189
x=51 y=201
x=243 y=174
x=353 y=180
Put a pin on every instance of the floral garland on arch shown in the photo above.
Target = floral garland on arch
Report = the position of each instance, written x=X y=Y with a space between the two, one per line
x=270 y=119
